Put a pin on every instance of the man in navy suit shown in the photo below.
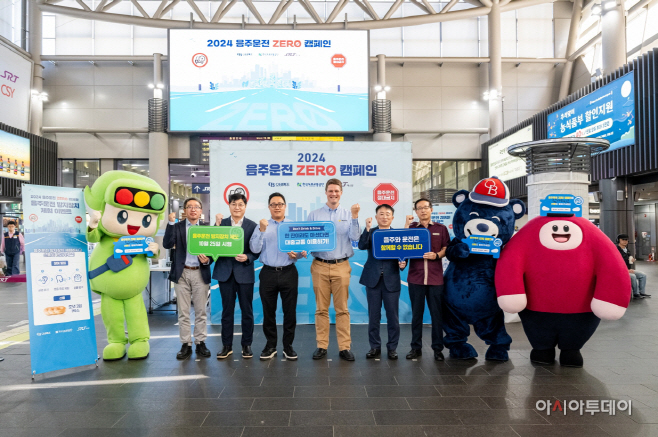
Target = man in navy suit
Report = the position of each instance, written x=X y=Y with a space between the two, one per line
x=382 y=280
x=191 y=275
x=236 y=278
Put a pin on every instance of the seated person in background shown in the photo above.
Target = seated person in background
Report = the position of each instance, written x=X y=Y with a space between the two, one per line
x=638 y=279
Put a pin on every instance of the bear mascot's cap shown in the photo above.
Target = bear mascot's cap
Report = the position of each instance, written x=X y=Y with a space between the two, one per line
x=490 y=191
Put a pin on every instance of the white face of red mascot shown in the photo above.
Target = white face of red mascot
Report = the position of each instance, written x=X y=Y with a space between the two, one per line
x=560 y=235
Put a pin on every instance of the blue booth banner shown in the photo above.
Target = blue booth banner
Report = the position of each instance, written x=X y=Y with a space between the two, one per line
x=607 y=113
x=561 y=204
x=484 y=245
x=62 y=333
x=401 y=244
x=308 y=236
x=132 y=246
x=299 y=170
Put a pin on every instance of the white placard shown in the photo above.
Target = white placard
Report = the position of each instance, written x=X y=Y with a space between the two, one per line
x=15 y=88
x=502 y=164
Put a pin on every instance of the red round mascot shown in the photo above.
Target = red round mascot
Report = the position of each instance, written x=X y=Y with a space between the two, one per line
x=562 y=275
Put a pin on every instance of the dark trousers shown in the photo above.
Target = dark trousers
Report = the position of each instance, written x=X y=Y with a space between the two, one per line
x=391 y=301
x=13 y=263
x=272 y=283
x=245 y=295
x=418 y=294
x=566 y=331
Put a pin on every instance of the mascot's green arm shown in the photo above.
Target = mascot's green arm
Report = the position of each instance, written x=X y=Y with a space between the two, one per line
x=94 y=235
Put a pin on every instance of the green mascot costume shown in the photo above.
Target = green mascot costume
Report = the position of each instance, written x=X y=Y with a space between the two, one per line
x=123 y=204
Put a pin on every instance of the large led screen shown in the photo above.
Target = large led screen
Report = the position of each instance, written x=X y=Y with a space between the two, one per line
x=14 y=157
x=504 y=165
x=608 y=113
x=309 y=81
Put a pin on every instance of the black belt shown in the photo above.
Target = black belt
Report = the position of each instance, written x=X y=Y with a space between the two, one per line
x=331 y=261
x=278 y=269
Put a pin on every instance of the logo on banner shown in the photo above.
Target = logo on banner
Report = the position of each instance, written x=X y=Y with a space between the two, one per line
x=385 y=193
x=235 y=188
x=78 y=219
x=200 y=60
x=33 y=217
x=338 y=61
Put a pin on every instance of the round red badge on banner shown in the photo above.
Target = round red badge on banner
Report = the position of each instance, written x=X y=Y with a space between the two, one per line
x=385 y=193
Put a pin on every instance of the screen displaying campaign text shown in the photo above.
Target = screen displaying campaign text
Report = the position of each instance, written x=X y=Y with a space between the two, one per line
x=307 y=81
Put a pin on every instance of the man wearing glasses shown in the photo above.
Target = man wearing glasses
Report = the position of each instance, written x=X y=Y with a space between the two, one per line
x=278 y=276
x=426 y=281
x=191 y=275
x=331 y=272
x=236 y=279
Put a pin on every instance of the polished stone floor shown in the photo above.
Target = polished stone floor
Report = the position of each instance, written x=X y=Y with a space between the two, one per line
x=165 y=397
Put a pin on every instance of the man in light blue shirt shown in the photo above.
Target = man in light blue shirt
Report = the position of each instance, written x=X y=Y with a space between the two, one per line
x=278 y=276
x=331 y=272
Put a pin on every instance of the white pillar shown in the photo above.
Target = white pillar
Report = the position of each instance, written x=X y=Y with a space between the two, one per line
x=36 y=106
x=541 y=185
x=613 y=36
x=495 y=72
x=159 y=144
x=381 y=95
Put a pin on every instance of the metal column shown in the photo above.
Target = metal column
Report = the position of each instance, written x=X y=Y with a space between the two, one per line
x=36 y=105
x=495 y=72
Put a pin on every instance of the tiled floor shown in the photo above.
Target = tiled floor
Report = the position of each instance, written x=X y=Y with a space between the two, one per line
x=164 y=397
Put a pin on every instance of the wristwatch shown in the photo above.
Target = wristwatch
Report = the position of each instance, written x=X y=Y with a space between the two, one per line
x=437 y=255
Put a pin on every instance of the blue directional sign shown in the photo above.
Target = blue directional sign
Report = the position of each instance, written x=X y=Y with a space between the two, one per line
x=308 y=236
x=561 y=204
x=400 y=244
x=200 y=188
x=484 y=245
x=132 y=246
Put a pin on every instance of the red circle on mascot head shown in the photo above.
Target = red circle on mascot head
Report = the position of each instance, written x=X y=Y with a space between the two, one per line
x=124 y=196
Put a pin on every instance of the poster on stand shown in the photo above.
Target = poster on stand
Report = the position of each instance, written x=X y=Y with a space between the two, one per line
x=62 y=333
x=372 y=173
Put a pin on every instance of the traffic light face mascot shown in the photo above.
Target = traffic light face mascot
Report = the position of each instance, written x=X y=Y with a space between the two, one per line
x=469 y=293
x=562 y=275
x=123 y=204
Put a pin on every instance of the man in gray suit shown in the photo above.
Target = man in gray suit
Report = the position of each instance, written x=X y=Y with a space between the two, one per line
x=236 y=279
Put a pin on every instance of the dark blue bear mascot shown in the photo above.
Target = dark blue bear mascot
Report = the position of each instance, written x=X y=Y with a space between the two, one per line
x=470 y=293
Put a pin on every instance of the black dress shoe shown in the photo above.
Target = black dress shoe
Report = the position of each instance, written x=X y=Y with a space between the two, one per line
x=319 y=353
x=373 y=353
x=202 y=350
x=246 y=352
x=268 y=353
x=392 y=355
x=438 y=356
x=414 y=353
x=225 y=352
x=644 y=295
x=346 y=355
x=185 y=352
x=289 y=353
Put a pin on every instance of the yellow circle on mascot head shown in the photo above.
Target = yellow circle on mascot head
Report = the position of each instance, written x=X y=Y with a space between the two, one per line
x=142 y=199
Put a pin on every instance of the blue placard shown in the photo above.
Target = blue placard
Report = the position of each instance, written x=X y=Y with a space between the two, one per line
x=608 y=113
x=308 y=236
x=401 y=244
x=561 y=204
x=484 y=245
x=62 y=333
x=132 y=246
x=201 y=188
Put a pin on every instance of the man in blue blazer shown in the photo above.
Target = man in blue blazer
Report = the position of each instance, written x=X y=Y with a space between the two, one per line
x=236 y=278
x=382 y=280
x=191 y=276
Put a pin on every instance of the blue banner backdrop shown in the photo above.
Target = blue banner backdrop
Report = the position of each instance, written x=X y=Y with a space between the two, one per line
x=62 y=333
x=299 y=170
x=607 y=113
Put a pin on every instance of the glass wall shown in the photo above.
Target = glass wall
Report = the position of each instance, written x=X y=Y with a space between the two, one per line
x=139 y=166
x=78 y=173
x=439 y=179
